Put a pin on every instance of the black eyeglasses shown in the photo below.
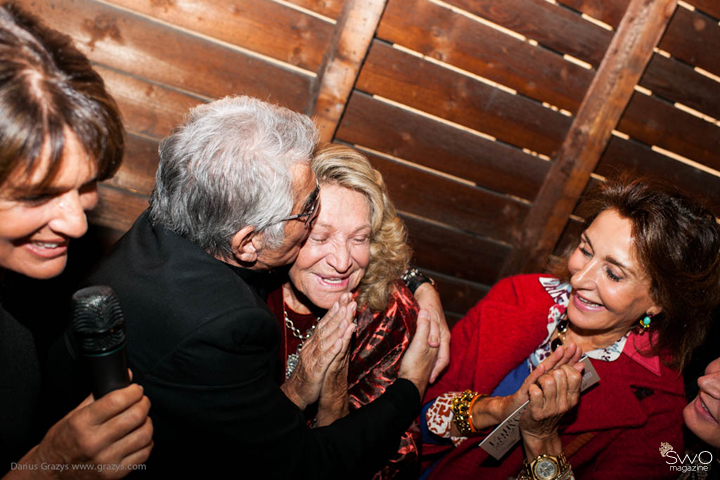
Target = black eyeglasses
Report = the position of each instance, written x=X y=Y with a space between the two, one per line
x=310 y=206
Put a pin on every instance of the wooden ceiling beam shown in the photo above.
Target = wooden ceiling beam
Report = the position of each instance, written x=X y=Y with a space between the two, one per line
x=612 y=87
x=354 y=32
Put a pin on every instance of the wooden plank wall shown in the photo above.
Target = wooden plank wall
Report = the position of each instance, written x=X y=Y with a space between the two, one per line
x=473 y=110
x=670 y=125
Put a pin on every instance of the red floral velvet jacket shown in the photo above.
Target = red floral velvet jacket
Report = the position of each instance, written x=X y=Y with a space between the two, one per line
x=619 y=423
x=378 y=345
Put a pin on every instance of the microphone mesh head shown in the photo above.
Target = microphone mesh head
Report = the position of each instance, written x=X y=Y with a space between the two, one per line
x=98 y=320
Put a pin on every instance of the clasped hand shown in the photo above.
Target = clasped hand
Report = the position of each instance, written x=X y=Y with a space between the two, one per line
x=322 y=354
x=323 y=362
x=494 y=410
x=551 y=396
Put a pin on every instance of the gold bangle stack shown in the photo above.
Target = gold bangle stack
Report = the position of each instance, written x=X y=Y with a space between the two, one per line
x=462 y=411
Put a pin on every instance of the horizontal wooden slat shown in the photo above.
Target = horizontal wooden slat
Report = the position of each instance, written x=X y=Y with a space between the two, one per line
x=678 y=82
x=693 y=38
x=654 y=122
x=458 y=296
x=147 y=108
x=401 y=133
x=455 y=39
x=637 y=160
x=628 y=155
x=327 y=8
x=450 y=202
x=552 y=26
x=117 y=209
x=610 y=12
x=269 y=28
x=415 y=82
x=454 y=253
x=711 y=7
x=137 y=173
x=139 y=46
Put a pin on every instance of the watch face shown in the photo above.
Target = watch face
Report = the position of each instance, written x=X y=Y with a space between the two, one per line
x=546 y=469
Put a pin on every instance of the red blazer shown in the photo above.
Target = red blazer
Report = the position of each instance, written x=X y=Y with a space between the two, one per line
x=628 y=413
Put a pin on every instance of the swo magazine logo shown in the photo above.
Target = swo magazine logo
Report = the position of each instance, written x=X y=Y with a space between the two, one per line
x=700 y=462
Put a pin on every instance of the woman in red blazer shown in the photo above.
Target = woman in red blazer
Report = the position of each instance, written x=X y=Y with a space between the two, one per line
x=636 y=297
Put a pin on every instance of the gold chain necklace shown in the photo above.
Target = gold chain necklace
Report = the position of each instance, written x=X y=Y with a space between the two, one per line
x=294 y=358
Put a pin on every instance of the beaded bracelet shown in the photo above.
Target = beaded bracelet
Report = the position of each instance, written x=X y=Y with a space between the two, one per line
x=462 y=411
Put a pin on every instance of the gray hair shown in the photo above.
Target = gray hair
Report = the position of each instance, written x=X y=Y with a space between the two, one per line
x=227 y=167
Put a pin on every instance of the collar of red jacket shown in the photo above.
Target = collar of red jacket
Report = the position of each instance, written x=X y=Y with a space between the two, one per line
x=637 y=343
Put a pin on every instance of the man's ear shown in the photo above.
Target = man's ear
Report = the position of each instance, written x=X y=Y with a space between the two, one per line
x=245 y=244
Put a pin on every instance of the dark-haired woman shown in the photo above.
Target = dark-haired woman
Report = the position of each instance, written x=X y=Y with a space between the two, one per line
x=60 y=132
x=636 y=296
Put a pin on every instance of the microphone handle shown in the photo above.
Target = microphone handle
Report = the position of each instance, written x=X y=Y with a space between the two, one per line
x=109 y=371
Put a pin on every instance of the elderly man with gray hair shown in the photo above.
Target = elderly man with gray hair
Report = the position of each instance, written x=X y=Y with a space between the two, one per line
x=234 y=199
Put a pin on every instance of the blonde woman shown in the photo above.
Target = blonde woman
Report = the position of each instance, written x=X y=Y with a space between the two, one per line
x=357 y=245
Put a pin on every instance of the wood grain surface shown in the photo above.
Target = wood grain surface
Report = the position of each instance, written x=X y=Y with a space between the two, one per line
x=655 y=122
x=679 y=82
x=451 y=202
x=404 y=134
x=413 y=81
x=138 y=46
x=450 y=37
x=550 y=25
x=694 y=38
x=609 y=12
x=638 y=158
x=269 y=28
x=455 y=253
x=629 y=53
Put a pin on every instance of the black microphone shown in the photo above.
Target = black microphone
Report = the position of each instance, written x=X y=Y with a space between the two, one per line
x=99 y=328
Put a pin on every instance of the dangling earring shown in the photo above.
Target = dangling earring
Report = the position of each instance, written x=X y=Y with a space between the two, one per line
x=645 y=323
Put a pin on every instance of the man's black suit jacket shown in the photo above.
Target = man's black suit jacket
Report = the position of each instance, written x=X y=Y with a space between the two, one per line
x=203 y=344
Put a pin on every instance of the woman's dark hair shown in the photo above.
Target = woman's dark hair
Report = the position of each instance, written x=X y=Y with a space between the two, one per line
x=46 y=87
x=677 y=242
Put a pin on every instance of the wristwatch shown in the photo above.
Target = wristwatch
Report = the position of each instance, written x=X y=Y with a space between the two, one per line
x=413 y=279
x=547 y=467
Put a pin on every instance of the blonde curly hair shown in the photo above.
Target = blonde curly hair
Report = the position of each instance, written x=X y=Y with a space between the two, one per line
x=389 y=252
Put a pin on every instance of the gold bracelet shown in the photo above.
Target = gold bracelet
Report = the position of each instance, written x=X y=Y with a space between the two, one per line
x=462 y=411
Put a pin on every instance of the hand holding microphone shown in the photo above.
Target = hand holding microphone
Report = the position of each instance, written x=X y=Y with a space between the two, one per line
x=111 y=429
